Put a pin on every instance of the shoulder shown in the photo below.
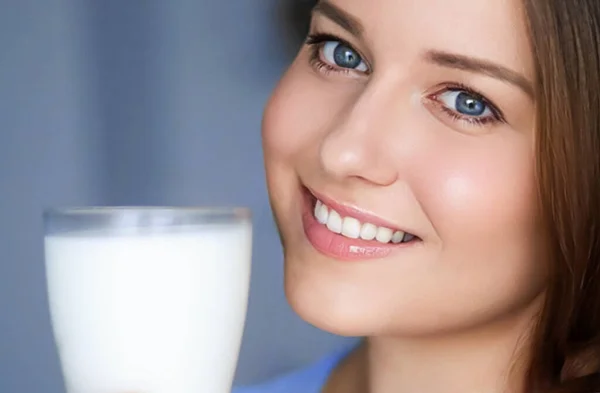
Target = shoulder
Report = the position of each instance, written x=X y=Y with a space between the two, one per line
x=306 y=380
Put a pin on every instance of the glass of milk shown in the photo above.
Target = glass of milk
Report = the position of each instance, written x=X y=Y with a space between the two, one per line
x=148 y=300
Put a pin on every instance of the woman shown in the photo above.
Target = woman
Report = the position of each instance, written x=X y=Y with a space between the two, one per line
x=434 y=171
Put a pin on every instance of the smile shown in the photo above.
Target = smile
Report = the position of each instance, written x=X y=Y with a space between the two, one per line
x=352 y=228
x=346 y=233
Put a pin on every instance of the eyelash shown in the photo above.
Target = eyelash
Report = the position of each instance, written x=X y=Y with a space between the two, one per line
x=495 y=117
x=316 y=41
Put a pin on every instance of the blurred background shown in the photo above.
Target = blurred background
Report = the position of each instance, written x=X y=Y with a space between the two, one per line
x=139 y=102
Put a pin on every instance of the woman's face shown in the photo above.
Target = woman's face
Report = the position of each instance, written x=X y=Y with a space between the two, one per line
x=399 y=151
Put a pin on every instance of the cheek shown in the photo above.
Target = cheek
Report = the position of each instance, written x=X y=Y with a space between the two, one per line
x=479 y=194
x=292 y=114
x=481 y=188
x=281 y=129
x=290 y=131
x=481 y=200
x=299 y=113
x=282 y=139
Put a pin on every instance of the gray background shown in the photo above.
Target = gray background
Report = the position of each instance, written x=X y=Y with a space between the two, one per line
x=136 y=102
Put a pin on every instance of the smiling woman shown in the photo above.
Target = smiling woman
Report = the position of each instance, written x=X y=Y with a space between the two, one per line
x=433 y=169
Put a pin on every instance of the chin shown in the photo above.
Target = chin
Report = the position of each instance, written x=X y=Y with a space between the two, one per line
x=326 y=296
x=322 y=295
x=329 y=316
x=320 y=298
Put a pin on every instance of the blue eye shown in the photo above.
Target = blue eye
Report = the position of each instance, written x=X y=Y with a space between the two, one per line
x=465 y=103
x=337 y=54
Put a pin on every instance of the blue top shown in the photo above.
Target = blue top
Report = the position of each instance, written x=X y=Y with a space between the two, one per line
x=308 y=380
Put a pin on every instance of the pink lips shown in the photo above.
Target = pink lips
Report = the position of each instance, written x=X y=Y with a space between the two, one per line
x=338 y=246
x=346 y=211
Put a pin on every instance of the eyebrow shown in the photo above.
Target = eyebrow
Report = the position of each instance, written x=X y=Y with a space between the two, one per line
x=478 y=66
x=440 y=58
x=339 y=17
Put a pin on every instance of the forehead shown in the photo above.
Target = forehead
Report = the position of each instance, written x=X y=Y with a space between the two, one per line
x=494 y=30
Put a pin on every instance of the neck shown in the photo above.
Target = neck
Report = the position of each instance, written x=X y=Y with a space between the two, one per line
x=490 y=359
x=477 y=363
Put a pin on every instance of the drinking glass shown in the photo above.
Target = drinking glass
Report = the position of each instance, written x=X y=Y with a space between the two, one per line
x=148 y=300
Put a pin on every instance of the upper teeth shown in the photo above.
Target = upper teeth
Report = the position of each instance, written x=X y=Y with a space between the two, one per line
x=354 y=229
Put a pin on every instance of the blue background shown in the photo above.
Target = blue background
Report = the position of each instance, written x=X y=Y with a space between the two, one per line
x=131 y=102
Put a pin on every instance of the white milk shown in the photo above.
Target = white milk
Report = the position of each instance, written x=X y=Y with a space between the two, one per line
x=149 y=313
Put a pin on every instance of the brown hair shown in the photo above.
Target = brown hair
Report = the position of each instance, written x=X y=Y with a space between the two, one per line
x=565 y=36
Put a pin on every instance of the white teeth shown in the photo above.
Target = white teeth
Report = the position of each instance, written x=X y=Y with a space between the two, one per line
x=351 y=227
x=334 y=222
x=321 y=212
x=397 y=237
x=384 y=235
x=368 y=231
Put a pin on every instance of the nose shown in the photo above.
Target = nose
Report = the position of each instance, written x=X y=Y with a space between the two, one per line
x=357 y=142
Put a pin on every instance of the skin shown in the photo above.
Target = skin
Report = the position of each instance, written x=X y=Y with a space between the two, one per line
x=452 y=311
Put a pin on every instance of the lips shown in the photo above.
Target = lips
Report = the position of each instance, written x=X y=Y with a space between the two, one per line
x=345 y=233
x=353 y=228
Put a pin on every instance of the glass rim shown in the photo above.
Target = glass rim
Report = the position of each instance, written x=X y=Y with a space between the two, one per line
x=238 y=212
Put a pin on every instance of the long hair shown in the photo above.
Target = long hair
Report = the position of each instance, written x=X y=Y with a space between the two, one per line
x=565 y=37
